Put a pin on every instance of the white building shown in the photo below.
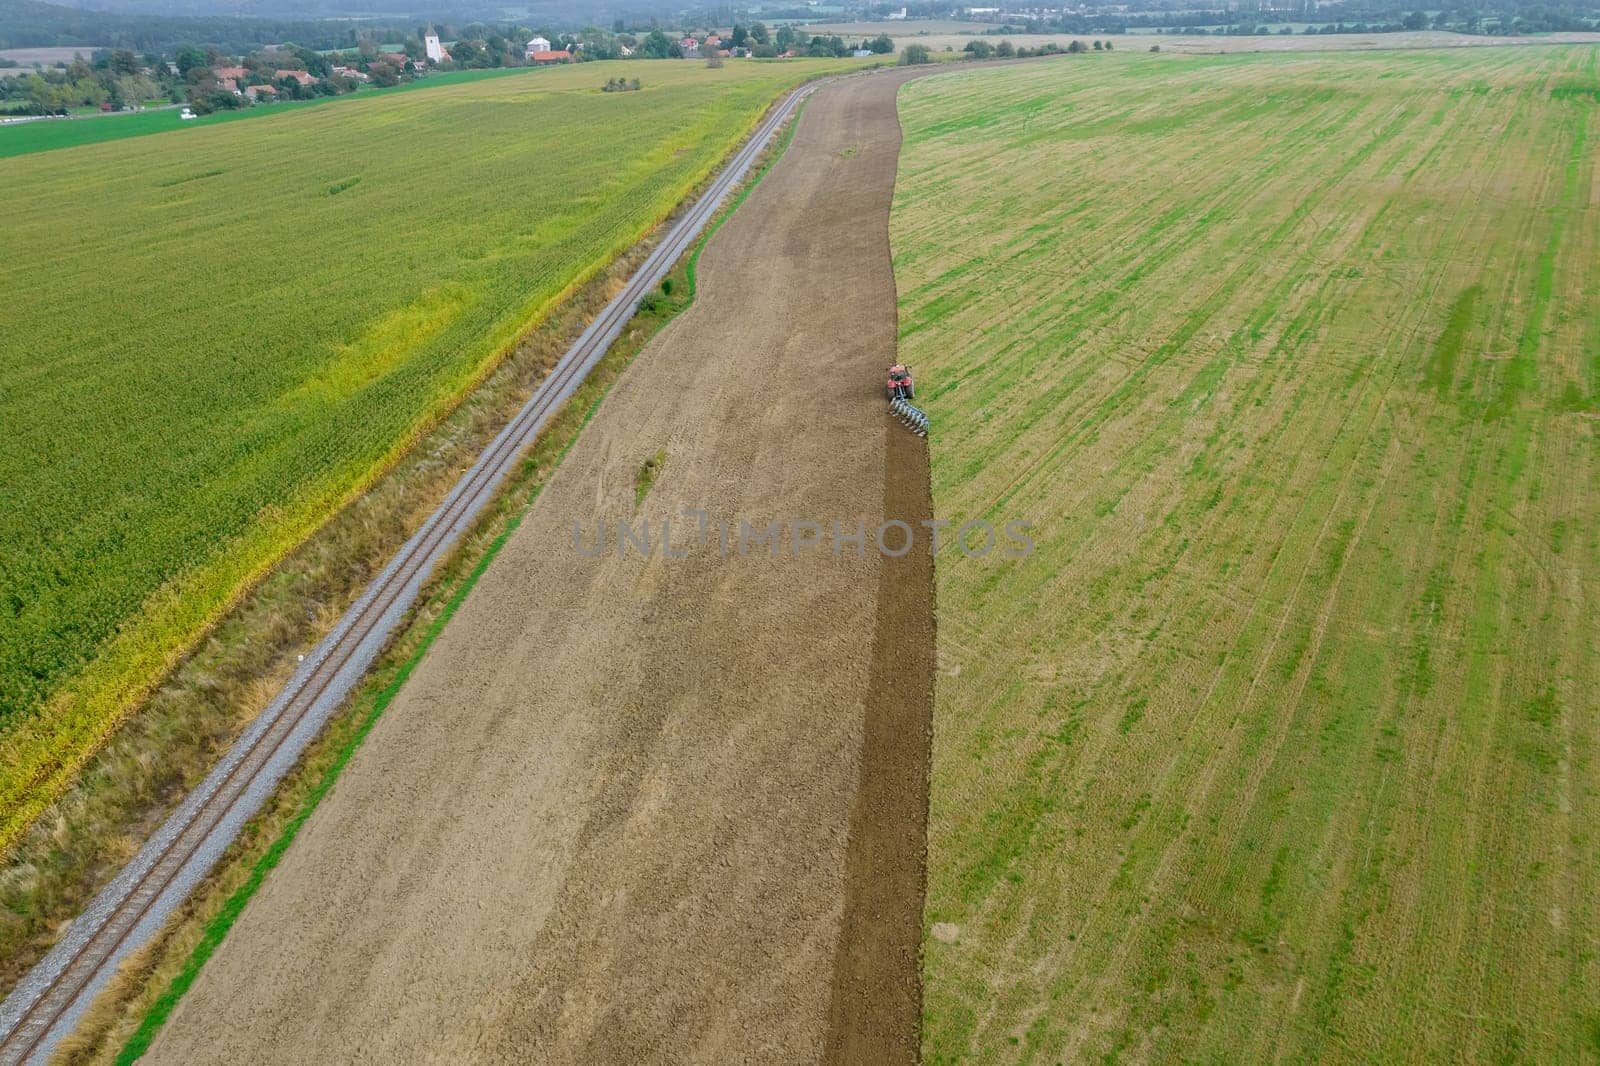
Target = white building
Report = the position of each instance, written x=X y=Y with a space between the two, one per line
x=538 y=44
x=431 y=45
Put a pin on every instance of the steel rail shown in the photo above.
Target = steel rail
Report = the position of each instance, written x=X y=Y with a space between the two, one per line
x=49 y=1001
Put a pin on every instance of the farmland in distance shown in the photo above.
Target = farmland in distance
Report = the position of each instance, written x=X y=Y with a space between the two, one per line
x=1282 y=744
x=48 y=135
x=214 y=337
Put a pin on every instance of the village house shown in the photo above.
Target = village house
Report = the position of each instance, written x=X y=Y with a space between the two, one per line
x=301 y=76
x=536 y=45
x=545 y=59
x=261 y=92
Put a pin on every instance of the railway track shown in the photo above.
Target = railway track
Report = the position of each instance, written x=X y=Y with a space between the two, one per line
x=49 y=1001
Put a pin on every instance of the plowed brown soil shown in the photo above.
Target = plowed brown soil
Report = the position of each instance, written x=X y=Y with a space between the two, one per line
x=651 y=809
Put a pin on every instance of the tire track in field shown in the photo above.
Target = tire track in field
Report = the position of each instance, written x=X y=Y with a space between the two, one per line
x=1280 y=1039
x=1154 y=443
x=1186 y=237
x=1200 y=790
x=1226 y=289
x=1208 y=774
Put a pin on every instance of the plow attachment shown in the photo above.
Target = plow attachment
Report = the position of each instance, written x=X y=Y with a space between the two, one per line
x=913 y=418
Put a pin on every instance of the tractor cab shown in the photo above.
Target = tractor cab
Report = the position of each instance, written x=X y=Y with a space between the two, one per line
x=899 y=385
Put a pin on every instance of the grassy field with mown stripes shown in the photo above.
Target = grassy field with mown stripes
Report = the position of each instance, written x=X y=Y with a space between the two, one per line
x=1282 y=745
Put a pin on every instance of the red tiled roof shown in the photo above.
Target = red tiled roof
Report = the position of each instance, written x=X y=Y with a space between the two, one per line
x=301 y=76
x=550 y=57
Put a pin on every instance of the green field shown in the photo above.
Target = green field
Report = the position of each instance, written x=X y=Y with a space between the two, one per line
x=29 y=137
x=1283 y=745
x=213 y=337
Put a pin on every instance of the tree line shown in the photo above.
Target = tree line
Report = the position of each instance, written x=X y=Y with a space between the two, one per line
x=1508 y=18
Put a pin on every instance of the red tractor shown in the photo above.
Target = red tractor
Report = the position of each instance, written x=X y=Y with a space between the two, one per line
x=900 y=386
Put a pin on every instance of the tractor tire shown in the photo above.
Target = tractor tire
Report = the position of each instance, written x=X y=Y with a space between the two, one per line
x=911 y=392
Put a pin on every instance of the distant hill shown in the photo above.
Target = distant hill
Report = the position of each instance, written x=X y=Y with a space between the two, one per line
x=264 y=9
x=32 y=24
x=34 y=16
x=239 y=25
